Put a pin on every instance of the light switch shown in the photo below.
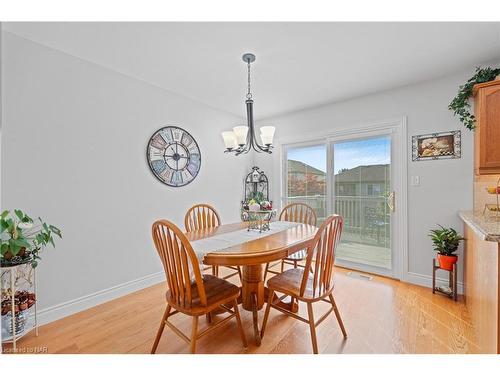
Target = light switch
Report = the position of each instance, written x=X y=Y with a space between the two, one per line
x=415 y=180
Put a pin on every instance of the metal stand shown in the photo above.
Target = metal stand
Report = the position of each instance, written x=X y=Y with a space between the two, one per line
x=452 y=280
x=31 y=322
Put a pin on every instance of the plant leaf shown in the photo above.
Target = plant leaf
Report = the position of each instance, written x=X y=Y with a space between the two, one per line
x=19 y=214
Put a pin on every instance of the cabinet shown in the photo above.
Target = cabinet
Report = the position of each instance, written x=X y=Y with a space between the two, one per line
x=487 y=133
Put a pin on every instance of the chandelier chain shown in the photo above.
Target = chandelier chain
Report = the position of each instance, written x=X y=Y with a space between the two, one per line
x=249 y=94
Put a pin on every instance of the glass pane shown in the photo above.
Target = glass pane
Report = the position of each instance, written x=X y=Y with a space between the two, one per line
x=362 y=185
x=306 y=178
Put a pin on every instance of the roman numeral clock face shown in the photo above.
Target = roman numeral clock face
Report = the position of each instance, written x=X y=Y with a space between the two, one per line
x=174 y=156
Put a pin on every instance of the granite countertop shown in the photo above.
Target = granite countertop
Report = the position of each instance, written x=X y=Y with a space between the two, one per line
x=487 y=227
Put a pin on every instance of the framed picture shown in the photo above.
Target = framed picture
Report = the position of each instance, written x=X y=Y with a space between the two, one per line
x=444 y=145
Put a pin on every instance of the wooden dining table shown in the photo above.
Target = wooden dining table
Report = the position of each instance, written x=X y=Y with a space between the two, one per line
x=251 y=255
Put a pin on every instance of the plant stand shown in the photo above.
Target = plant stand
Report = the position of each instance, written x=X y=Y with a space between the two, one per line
x=452 y=280
x=16 y=324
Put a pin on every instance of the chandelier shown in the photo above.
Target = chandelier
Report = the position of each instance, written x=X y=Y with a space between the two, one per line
x=243 y=138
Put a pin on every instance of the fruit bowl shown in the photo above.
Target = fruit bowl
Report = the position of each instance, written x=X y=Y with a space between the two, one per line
x=493 y=190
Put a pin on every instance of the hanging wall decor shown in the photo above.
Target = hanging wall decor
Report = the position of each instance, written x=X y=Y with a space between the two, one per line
x=173 y=156
x=444 y=145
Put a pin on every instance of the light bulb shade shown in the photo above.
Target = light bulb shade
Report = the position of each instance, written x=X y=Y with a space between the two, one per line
x=267 y=134
x=229 y=140
x=241 y=134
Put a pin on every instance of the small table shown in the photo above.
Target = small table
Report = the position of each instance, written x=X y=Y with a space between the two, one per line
x=251 y=256
x=452 y=280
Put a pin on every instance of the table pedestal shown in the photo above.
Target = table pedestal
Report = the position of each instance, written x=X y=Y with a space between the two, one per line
x=254 y=294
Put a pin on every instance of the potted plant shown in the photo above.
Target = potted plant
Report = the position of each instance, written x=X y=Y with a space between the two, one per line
x=22 y=238
x=460 y=104
x=446 y=241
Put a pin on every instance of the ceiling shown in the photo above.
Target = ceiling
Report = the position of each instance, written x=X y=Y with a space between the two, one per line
x=298 y=66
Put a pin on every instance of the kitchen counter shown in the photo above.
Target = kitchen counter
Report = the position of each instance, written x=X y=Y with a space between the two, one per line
x=482 y=277
x=486 y=227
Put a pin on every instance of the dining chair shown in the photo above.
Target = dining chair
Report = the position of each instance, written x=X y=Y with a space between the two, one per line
x=299 y=213
x=311 y=284
x=189 y=292
x=203 y=216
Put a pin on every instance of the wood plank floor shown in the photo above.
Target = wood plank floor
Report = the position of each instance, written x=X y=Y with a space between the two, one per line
x=381 y=316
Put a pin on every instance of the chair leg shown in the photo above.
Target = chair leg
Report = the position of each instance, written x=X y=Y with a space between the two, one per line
x=238 y=320
x=282 y=266
x=312 y=327
x=160 y=329
x=239 y=274
x=266 y=314
x=214 y=271
x=265 y=272
x=194 y=334
x=294 y=264
x=209 y=318
x=337 y=314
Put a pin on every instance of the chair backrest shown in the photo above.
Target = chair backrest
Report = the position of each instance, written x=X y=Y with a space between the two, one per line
x=179 y=262
x=298 y=213
x=201 y=216
x=322 y=250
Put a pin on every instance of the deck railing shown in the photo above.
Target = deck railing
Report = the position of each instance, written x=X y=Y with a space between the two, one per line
x=366 y=218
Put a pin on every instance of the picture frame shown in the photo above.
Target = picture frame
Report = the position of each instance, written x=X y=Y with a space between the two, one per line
x=434 y=146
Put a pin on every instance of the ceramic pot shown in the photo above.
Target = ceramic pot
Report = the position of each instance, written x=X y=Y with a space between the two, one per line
x=446 y=262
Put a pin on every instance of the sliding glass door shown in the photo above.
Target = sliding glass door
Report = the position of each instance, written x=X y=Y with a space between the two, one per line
x=351 y=176
x=362 y=193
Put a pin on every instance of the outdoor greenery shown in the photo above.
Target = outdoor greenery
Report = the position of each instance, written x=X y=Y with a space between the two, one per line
x=23 y=237
x=460 y=104
x=445 y=240
x=309 y=185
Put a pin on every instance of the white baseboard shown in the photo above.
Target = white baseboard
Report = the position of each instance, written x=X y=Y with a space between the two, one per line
x=64 y=309
x=426 y=280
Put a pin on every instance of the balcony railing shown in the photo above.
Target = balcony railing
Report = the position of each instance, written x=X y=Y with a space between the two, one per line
x=366 y=218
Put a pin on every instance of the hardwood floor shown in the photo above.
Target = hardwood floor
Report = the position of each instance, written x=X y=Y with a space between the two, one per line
x=381 y=316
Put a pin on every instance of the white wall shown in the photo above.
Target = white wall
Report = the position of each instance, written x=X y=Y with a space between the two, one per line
x=73 y=152
x=446 y=185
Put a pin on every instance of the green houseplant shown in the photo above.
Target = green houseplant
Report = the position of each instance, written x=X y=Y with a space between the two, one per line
x=460 y=104
x=22 y=238
x=446 y=241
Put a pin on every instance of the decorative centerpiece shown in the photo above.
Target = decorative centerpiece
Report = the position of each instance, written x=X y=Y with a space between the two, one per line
x=256 y=208
x=258 y=215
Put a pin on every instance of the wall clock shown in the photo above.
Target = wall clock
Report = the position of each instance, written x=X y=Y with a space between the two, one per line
x=173 y=156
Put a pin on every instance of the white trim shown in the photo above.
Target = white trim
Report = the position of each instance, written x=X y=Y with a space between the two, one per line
x=348 y=130
x=64 y=309
x=397 y=126
x=426 y=281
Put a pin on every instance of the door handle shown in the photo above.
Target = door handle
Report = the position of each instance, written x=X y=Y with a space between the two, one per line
x=391 y=201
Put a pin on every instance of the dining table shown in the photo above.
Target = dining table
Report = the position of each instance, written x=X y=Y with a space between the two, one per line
x=237 y=245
